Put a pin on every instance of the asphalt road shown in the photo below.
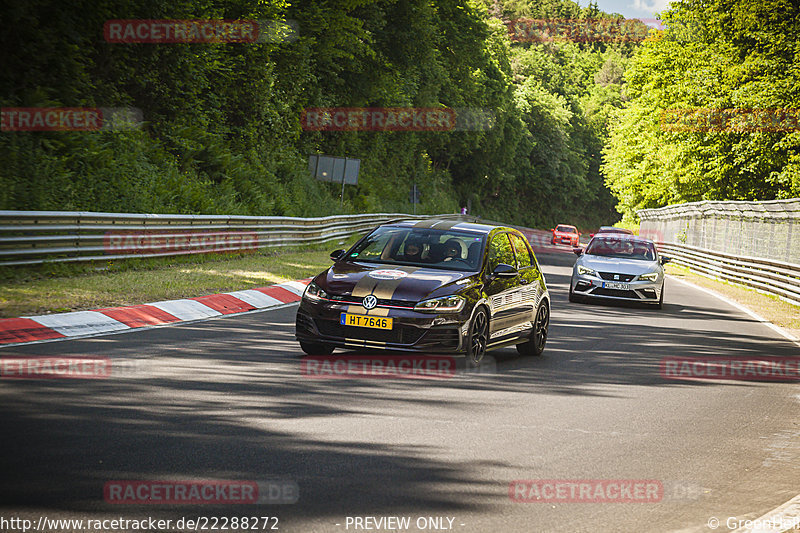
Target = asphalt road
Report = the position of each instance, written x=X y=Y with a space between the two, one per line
x=226 y=399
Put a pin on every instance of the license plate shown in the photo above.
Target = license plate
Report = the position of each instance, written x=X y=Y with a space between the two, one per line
x=364 y=321
x=620 y=286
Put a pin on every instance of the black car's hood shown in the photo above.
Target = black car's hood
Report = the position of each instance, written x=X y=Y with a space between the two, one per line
x=389 y=282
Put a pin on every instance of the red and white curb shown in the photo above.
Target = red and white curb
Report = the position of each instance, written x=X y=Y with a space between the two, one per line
x=14 y=331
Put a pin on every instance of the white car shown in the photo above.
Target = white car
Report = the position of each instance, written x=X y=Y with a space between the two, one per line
x=619 y=267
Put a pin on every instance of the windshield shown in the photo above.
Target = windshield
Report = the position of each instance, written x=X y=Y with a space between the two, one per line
x=622 y=248
x=566 y=229
x=450 y=250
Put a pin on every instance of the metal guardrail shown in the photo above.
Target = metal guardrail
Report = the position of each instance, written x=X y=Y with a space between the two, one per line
x=756 y=244
x=36 y=237
x=769 y=229
x=765 y=275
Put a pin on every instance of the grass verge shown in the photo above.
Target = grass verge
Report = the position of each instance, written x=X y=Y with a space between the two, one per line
x=769 y=307
x=76 y=287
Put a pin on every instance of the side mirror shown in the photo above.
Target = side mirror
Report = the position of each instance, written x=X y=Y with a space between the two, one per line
x=337 y=254
x=577 y=250
x=551 y=229
x=591 y=235
x=665 y=260
x=504 y=271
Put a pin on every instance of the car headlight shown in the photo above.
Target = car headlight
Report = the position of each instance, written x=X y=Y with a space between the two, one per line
x=583 y=271
x=314 y=292
x=652 y=276
x=445 y=304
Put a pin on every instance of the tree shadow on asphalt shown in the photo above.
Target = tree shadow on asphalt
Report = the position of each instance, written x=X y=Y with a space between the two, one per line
x=201 y=403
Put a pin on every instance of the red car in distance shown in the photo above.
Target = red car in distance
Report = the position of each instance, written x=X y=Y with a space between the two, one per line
x=564 y=234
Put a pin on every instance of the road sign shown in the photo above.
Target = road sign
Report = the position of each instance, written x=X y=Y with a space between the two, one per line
x=342 y=170
x=415 y=194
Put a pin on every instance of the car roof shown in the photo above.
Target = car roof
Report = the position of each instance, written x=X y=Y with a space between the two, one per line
x=444 y=225
x=614 y=229
x=625 y=236
x=566 y=226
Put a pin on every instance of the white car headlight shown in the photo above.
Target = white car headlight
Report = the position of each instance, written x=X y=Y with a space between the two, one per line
x=445 y=304
x=314 y=292
x=583 y=271
x=652 y=276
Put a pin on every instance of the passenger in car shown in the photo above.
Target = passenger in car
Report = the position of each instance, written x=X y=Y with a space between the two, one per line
x=453 y=250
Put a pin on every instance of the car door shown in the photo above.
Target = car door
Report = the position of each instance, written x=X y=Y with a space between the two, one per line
x=502 y=293
x=529 y=275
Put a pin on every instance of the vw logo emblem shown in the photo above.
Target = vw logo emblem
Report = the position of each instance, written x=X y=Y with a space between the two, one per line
x=616 y=276
x=369 y=302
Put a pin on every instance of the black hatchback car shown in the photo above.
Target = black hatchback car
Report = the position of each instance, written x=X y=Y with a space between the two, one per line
x=436 y=286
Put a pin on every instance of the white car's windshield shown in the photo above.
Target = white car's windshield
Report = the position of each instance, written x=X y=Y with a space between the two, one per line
x=622 y=248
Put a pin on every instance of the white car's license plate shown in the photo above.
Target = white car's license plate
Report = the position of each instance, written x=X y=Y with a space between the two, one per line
x=618 y=286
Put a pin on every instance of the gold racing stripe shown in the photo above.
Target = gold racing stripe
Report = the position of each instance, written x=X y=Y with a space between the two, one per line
x=382 y=289
x=363 y=287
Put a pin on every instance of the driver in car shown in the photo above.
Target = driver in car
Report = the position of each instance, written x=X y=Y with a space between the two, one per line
x=412 y=252
x=452 y=250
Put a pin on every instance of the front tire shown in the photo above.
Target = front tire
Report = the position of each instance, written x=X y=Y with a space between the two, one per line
x=478 y=338
x=316 y=348
x=660 y=304
x=535 y=346
x=572 y=297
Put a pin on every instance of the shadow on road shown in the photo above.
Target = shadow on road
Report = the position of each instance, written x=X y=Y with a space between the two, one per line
x=208 y=393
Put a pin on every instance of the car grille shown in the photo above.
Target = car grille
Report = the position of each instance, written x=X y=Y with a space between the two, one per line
x=396 y=303
x=358 y=300
x=344 y=298
x=399 y=334
x=615 y=292
x=610 y=276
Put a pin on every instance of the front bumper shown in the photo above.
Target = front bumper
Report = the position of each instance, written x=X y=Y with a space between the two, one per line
x=564 y=240
x=319 y=322
x=635 y=291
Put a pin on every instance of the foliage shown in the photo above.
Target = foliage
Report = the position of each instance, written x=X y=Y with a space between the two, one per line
x=716 y=54
x=222 y=131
